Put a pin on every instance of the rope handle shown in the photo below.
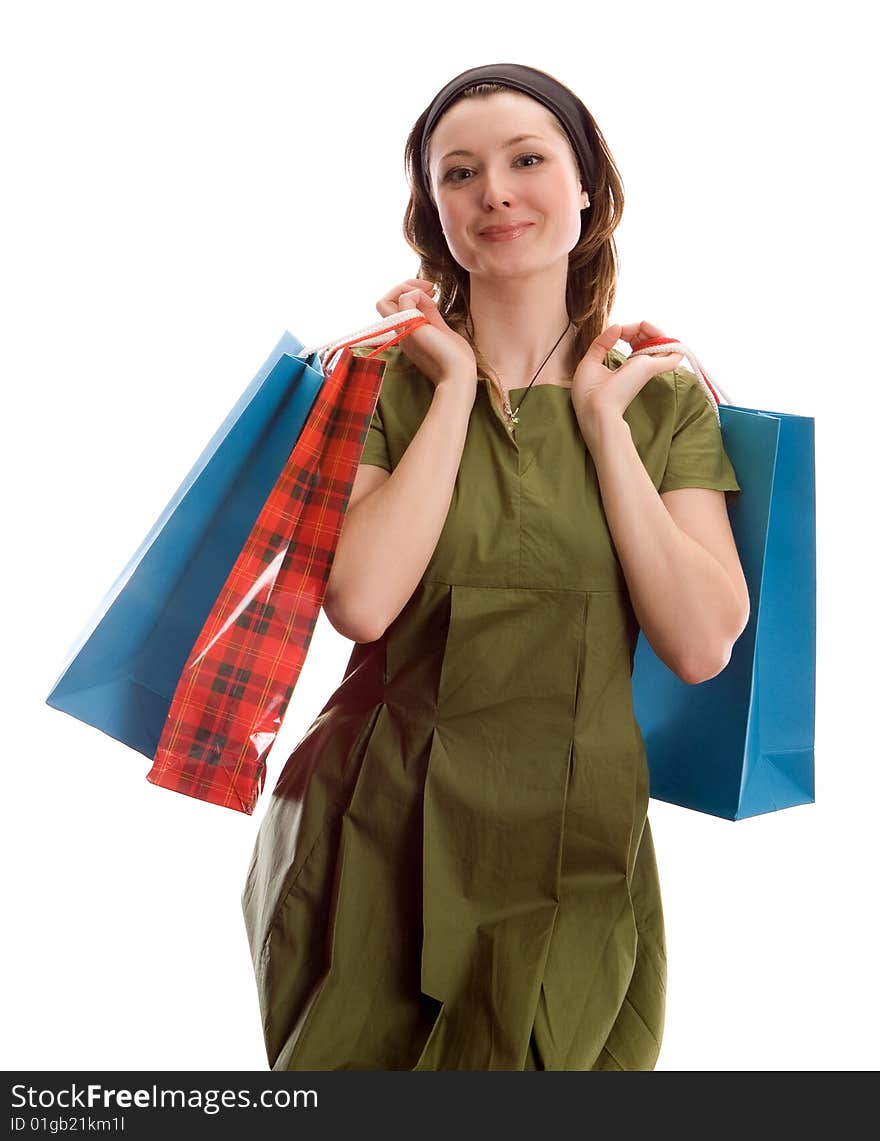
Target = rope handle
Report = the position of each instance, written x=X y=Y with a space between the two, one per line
x=380 y=333
x=658 y=345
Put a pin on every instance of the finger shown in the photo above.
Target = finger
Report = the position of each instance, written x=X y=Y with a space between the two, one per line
x=606 y=340
x=418 y=299
x=669 y=360
x=663 y=362
x=418 y=282
x=429 y=293
x=631 y=378
x=397 y=299
x=643 y=369
x=404 y=286
x=413 y=297
x=639 y=331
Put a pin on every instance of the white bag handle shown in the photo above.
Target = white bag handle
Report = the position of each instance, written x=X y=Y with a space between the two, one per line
x=396 y=325
x=378 y=333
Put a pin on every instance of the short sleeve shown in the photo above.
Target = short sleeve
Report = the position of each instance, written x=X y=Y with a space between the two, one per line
x=696 y=452
x=376 y=444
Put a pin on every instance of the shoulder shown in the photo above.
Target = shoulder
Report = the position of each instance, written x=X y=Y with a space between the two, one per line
x=406 y=393
x=392 y=356
x=663 y=386
x=675 y=395
x=396 y=363
x=365 y=350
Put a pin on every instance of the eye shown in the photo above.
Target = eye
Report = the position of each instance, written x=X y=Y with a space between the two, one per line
x=448 y=177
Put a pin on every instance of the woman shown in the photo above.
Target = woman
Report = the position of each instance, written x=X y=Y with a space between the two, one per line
x=456 y=870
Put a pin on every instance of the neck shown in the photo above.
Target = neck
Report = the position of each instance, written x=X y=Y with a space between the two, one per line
x=517 y=321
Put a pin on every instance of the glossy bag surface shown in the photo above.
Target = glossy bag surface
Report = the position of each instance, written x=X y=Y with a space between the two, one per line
x=121 y=673
x=194 y=653
x=742 y=743
x=235 y=686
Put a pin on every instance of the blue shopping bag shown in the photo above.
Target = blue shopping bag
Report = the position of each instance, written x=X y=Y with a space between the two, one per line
x=742 y=743
x=121 y=673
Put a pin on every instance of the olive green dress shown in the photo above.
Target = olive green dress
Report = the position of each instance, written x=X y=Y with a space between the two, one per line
x=455 y=870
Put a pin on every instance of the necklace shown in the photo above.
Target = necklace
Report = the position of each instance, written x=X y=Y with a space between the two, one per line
x=511 y=414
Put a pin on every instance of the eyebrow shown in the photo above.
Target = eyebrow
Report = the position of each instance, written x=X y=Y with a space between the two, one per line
x=509 y=143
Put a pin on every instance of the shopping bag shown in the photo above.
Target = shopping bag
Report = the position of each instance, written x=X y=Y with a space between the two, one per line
x=742 y=743
x=237 y=682
x=123 y=672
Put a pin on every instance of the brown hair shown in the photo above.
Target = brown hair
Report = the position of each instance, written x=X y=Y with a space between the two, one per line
x=592 y=264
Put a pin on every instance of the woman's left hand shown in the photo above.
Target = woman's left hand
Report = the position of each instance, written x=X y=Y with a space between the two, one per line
x=600 y=394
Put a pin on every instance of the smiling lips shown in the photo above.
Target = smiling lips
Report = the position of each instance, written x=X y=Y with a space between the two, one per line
x=504 y=233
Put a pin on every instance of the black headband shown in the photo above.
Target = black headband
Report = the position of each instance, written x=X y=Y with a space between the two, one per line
x=547 y=90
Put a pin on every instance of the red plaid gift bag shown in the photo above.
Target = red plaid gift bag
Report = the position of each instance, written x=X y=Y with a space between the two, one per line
x=238 y=680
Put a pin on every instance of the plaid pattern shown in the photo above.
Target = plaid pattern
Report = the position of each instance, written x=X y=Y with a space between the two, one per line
x=241 y=673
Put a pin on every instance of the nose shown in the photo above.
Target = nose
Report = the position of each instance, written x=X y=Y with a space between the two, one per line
x=495 y=192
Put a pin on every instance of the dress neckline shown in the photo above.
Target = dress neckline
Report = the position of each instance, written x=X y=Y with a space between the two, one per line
x=526 y=387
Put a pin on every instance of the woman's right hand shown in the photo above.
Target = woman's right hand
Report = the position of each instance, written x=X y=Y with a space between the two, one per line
x=435 y=349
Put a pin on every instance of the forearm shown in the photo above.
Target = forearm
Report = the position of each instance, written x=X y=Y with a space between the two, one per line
x=683 y=598
x=389 y=536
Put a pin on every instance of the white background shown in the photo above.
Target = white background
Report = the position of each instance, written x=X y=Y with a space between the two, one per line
x=183 y=181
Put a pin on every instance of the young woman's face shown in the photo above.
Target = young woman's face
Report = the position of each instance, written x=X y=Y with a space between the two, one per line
x=533 y=181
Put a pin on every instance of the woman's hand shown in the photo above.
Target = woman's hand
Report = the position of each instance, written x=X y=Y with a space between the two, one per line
x=601 y=394
x=438 y=352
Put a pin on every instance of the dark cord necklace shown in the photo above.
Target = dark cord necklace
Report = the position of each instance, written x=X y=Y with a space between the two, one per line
x=512 y=414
